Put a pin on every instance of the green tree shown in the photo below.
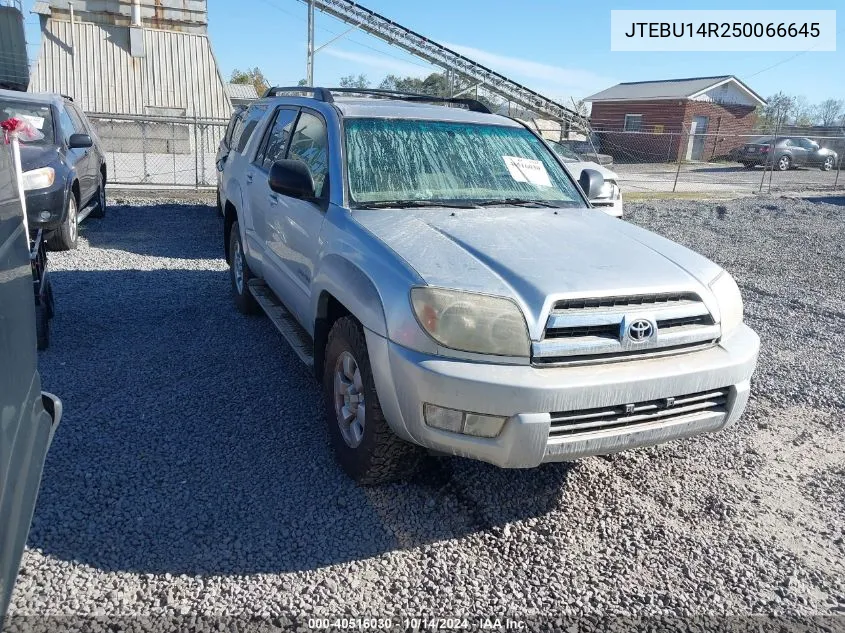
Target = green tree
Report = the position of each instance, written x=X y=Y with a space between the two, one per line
x=252 y=76
x=302 y=82
x=351 y=81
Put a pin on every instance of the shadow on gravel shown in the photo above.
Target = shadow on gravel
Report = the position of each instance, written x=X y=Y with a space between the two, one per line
x=837 y=200
x=193 y=441
x=197 y=230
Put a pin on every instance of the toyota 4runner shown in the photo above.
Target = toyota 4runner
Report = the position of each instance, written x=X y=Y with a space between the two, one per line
x=453 y=289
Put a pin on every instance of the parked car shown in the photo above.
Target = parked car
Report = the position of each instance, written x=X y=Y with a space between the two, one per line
x=587 y=149
x=29 y=417
x=609 y=198
x=449 y=285
x=65 y=172
x=225 y=146
x=786 y=153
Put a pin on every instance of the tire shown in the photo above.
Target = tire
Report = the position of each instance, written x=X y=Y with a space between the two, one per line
x=50 y=300
x=240 y=274
x=828 y=163
x=100 y=210
x=66 y=236
x=42 y=326
x=784 y=163
x=220 y=205
x=365 y=447
x=748 y=165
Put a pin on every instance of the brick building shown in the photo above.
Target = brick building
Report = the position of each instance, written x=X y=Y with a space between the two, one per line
x=700 y=118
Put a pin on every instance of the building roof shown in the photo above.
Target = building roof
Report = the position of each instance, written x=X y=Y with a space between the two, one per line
x=688 y=88
x=241 y=91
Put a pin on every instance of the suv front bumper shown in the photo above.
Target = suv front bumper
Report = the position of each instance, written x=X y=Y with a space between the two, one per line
x=405 y=380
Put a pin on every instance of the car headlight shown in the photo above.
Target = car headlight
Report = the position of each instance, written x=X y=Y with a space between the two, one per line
x=471 y=322
x=609 y=191
x=38 y=178
x=730 y=301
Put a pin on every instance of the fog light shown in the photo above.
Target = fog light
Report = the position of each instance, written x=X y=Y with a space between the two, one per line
x=45 y=215
x=483 y=425
x=462 y=422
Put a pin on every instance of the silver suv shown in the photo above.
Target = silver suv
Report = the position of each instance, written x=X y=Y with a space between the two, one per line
x=453 y=289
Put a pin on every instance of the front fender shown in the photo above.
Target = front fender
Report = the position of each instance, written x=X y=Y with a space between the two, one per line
x=347 y=283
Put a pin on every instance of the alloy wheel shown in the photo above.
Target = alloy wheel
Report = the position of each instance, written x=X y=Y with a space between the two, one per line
x=349 y=402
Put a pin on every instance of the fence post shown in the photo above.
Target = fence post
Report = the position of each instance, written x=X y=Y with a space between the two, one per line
x=680 y=154
x=196 y=156
x=838 y=169
x=144 y=176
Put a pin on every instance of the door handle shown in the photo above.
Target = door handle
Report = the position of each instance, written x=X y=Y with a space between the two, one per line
x=249 y=178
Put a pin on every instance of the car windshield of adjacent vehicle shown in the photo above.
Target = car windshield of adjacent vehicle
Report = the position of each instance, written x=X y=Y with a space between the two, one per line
x=39 y=115
x=566 y=153
x=408 y=162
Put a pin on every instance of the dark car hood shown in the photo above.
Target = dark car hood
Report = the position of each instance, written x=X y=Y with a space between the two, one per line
x=35 y=156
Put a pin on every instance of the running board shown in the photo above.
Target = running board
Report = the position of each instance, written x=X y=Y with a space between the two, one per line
x=284 y=321
x=87 y=211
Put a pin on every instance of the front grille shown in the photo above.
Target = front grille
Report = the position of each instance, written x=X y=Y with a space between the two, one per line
x=597 y=328
x=627 y=415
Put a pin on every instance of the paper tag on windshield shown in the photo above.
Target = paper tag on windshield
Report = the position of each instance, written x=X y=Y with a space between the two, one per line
x=35 y=121
x=527 y=170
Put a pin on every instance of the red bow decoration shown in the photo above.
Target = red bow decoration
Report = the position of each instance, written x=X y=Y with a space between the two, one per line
x=24 y=129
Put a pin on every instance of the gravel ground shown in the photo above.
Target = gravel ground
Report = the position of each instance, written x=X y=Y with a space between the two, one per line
x=191 y=473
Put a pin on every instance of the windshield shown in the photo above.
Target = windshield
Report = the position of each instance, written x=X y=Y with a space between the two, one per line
x=402 y=160
x=566 y=153
x=38 y=115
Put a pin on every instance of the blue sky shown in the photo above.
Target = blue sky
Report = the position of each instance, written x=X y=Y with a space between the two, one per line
x=558 y=47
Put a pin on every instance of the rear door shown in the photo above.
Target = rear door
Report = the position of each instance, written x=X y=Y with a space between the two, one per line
x=26 y=424
x=95 y=155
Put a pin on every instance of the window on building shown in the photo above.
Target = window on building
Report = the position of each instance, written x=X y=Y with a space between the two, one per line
x=633 y=122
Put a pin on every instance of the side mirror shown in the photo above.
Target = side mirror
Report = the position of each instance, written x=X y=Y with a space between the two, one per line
x=291 y=178
x=80 y=141
x=591 y=182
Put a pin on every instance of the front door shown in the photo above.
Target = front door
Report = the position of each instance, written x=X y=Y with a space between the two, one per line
x=698 y=129
x=26 y=426
x=294 y=225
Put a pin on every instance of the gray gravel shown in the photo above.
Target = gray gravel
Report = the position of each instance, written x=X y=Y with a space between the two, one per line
x=191 y=473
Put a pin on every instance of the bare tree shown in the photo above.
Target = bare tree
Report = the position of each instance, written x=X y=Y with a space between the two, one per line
x=830 y=110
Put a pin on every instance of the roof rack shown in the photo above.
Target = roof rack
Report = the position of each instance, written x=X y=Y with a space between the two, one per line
x=321 y=94
x=325 y=94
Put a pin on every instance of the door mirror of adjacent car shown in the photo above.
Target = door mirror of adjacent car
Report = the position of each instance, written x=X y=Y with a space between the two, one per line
x=80 y=141
x=591 y=182
x=291 y=178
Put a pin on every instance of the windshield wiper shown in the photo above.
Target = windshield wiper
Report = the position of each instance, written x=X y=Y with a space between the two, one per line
x=415 y=204
x=516 y=202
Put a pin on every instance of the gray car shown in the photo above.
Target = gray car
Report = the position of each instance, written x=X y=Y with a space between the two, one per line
x=29 y=417
x=453 y=290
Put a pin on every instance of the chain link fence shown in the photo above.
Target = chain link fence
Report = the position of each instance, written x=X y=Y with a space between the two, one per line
x=161 y=152
x=684 y=160
x=180 y=152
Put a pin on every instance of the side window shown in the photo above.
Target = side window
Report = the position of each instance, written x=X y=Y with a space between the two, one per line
x=310 y=145
x=66 y=124
x=276 y=142
x=78 y=123
x=251 y=119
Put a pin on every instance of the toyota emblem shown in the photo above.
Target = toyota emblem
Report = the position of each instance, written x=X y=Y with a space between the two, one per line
x=640 y=330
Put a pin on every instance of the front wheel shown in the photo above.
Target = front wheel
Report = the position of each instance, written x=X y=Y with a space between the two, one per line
x=363 y=442
x=65 y=237
x=240 y=274
x=828 y=163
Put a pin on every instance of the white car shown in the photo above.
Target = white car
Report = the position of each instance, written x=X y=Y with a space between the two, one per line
x=609 y=199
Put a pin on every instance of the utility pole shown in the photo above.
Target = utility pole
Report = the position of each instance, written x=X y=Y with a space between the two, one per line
x=309 y=66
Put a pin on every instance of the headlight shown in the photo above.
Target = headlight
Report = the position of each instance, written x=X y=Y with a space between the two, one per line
x=38 y=178
x=471 y=322
x=730 y=301
x=609 y=191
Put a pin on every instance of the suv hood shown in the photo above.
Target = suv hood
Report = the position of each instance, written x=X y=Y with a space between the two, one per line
x=35 y=156
x=536 y=256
